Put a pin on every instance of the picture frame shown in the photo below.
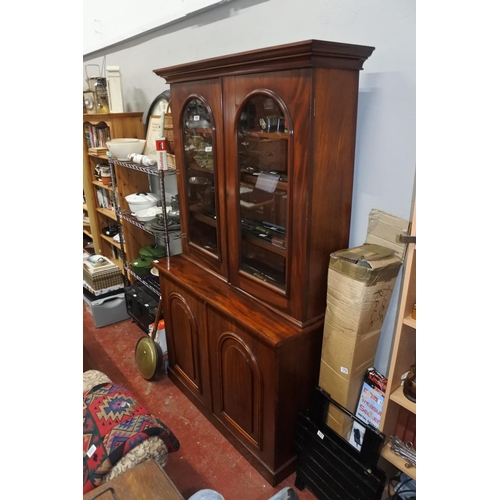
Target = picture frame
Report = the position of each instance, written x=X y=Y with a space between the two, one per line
x=152 y=134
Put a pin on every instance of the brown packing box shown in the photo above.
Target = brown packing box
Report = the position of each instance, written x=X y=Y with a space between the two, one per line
x=360 y=285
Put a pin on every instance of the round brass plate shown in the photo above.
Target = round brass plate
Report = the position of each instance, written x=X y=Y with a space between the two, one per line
x=146 y=357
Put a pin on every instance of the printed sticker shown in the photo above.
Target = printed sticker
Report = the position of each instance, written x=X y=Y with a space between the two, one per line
x=344 y=370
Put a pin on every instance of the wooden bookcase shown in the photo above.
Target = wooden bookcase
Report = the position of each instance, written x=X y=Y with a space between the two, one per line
x=264 y=146
x=403 y=355
x=114 y=125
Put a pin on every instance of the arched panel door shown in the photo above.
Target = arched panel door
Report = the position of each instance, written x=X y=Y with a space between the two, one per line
x=241 y=395
x=187 y=343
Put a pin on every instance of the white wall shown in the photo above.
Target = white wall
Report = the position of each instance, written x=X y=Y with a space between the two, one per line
x=385 y=151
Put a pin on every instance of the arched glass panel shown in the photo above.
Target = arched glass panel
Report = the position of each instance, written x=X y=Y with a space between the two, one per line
x=263 y=164
x=200 y=175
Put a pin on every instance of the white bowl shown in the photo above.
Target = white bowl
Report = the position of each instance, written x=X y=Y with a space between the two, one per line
x=148 y=213
x=121 y=148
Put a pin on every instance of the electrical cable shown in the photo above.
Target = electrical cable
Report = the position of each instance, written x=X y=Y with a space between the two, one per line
x=397 y=490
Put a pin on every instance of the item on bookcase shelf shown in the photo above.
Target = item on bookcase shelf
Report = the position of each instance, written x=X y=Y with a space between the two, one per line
x=157 y=225
x=97 y=172
x=105 y=174
x=171 y=161
x=104 y=198
x=141 y=267
x=414 y=312
x=96 y=137
x=106 y=179
x=147 y=214
x=405 y=451
x=116 y=238
x=89 y=102
x=114 y=83
x=152 y=252
x=101 y=95
x=410 y=384
x=173 y=210
x=97 y=93
x=140 y=201
x=141 y=159
x=121 y=148
x=161 y=153
x=111 y=230
x=97 y=151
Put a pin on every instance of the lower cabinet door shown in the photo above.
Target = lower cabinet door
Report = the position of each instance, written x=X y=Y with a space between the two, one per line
x=187 y=341
x=242 y=384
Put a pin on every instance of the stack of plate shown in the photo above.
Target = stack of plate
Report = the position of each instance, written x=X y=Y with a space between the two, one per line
x=156 y=225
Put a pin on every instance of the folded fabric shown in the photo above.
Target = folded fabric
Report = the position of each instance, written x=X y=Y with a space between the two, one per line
x=114 y=422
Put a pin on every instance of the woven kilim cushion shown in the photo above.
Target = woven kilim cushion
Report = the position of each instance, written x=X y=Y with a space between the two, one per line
x=113 y=424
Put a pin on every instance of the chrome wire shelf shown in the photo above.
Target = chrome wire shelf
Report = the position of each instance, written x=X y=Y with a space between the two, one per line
x=128 y=216
x=153 y=283
x=153 y=170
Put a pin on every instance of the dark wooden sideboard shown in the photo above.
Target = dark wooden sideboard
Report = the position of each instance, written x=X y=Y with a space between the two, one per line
x=264 y=146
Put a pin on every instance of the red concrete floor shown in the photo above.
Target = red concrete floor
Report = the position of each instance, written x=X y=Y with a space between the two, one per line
x=205 y=458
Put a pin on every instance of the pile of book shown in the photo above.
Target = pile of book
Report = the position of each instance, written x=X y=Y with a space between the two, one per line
x=98 y=150
x=99 y=272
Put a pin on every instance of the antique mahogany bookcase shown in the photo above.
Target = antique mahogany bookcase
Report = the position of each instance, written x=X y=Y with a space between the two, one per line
x=264 y=145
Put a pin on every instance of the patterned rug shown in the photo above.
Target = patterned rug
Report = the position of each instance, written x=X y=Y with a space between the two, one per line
x=114 y=423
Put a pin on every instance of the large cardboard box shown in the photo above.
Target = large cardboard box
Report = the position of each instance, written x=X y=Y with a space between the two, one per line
x=360 y=285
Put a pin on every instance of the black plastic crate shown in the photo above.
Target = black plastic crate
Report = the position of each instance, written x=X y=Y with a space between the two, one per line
x=328 y=464
x=142 y=304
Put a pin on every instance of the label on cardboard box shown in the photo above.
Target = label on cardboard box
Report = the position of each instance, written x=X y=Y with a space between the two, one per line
x=370 y=405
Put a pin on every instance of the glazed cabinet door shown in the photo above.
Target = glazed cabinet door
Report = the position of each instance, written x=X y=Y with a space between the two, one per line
x=243 y=385
x=197 y=111
x=187 y=341
x=268 y=127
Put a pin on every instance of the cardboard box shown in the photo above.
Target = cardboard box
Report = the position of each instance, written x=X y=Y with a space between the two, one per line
x=370 y=405
x=360 y=285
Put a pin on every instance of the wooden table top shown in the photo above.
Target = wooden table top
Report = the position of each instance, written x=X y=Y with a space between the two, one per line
x=146 y=481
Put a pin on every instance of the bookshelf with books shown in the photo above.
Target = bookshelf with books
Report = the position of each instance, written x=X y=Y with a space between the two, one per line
x=99 y=205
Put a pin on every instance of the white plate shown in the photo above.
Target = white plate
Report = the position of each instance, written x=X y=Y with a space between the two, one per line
x=155 y=272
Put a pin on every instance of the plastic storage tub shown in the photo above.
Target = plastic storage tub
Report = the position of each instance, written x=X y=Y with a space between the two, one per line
x=106 y=310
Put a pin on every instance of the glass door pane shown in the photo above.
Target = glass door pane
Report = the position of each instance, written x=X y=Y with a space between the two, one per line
x=200 y=176
x=263 y=136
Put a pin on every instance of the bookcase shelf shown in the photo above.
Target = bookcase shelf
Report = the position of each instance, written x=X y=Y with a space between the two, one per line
x=398 y=410
x=115 y=125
